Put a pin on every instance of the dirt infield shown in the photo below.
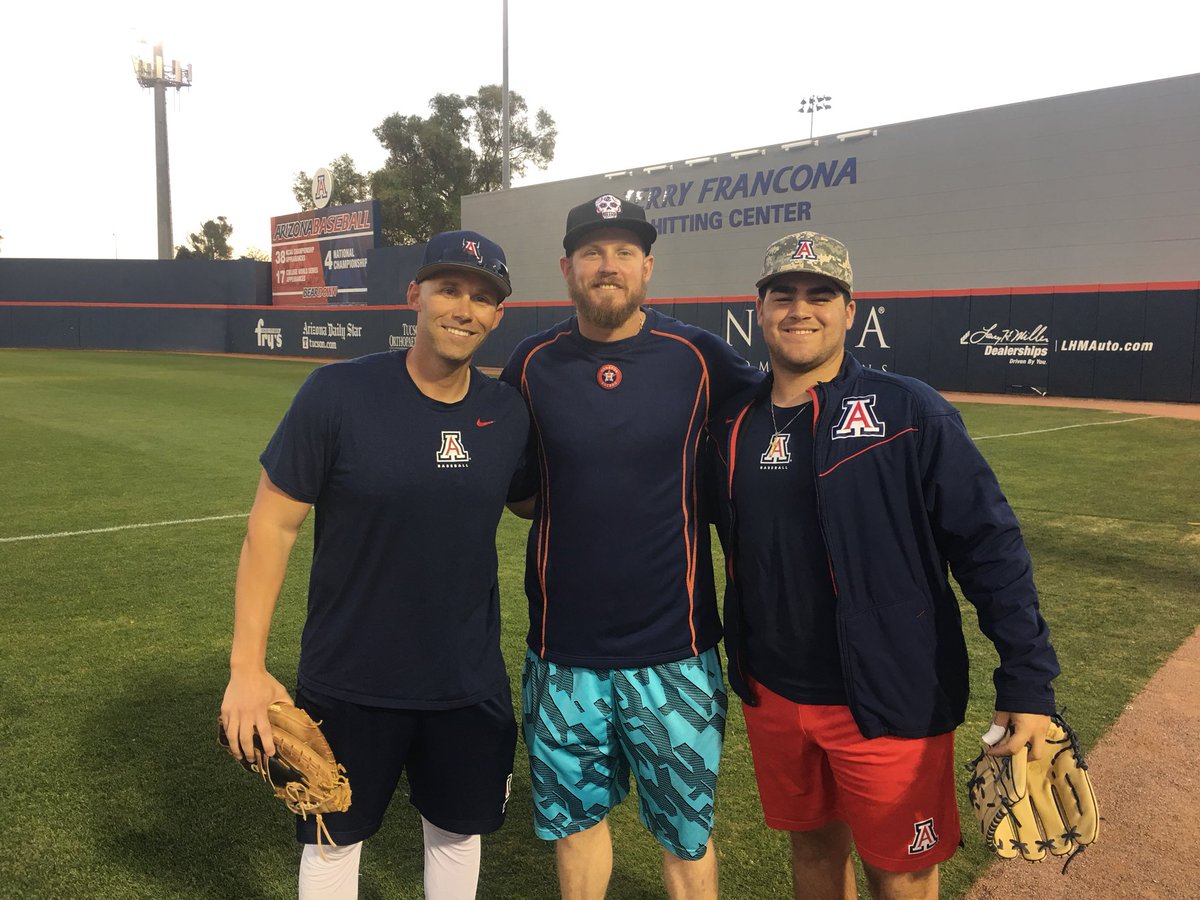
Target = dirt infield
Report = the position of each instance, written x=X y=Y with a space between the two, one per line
x=1170 y=410
x=1147 y=834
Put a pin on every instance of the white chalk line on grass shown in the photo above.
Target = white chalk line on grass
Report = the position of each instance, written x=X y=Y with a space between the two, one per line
x=989 y=437
x=62 y=534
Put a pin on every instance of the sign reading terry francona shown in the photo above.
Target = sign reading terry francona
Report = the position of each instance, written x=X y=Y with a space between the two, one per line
x=320 y=256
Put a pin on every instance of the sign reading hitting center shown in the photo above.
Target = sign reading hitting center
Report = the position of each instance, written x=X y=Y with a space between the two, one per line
x=319 y=256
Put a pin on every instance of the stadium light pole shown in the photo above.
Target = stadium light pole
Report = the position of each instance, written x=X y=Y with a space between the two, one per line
x=506 y=172
x=152 y=74
x=811 y=105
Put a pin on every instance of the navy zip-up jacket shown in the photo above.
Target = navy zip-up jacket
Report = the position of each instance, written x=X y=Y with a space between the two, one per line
x=904 y=497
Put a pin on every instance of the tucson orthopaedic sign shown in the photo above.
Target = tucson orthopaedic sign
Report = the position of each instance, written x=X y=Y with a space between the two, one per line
x=320 y=256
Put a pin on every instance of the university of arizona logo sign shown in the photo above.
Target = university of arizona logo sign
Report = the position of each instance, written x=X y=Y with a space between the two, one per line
x=452 y=454
x=924 y=837
x=777 y=452
x=858 y=419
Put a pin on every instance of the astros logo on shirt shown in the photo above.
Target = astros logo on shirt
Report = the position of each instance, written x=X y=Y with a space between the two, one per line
x=777 y=453
x=858 y=419
x=608 y=376
x=452 y=454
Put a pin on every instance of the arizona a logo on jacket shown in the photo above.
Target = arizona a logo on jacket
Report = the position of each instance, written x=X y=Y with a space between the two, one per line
x=859 y=419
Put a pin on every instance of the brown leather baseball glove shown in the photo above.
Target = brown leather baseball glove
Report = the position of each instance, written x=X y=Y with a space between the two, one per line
x=303 y=772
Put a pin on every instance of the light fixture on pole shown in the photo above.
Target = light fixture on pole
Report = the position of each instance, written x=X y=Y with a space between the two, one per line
x=152 y=73
x=812 y=105
x=505 y=124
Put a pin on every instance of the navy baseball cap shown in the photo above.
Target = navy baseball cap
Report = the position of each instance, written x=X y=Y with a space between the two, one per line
x=466 y=251
x=607 y=211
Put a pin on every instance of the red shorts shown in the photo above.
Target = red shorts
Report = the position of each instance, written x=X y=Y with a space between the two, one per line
x=814 y=767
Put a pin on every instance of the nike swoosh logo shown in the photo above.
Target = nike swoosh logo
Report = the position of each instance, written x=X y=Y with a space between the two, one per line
x=727 y=421
x=479 y=423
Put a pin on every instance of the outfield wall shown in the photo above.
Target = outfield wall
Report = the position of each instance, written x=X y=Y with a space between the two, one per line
x=1133 y=342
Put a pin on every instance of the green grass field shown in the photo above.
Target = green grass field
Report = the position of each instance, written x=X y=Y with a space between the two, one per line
x=114 y=648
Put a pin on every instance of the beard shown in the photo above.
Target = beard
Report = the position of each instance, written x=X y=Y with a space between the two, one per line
x=606 y=315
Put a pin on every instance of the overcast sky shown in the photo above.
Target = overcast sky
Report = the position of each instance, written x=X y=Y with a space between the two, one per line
x=284 y=87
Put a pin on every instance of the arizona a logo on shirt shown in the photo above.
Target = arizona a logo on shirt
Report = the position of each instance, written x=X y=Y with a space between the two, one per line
x=858 y=419
x=777 y=452
x=452 y=454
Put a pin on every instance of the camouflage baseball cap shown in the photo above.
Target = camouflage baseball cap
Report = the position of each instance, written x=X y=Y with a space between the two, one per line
x=808 y=251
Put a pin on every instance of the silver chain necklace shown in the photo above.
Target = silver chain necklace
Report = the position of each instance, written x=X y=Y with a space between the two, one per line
x=789 y=422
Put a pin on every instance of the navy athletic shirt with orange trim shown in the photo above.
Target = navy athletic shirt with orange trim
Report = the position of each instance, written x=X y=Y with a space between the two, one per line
x=618 y=569
x=403 y=598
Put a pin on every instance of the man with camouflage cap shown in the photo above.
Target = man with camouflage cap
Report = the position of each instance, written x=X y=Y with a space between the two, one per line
x=847 y=492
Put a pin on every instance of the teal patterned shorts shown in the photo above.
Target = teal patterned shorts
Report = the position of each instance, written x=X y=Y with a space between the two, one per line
x=588 y=729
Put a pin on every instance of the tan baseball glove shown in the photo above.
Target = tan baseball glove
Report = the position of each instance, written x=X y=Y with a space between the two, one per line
x=303 y=772
x=1033 y=808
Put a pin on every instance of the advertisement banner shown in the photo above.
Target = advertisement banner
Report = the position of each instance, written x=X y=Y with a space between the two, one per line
x=319 y=256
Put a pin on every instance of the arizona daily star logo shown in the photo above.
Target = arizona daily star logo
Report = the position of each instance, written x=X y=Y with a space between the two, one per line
x=777 y=452
x=804 y=250
x=924 y=837
x=452 y=454
x=472 y=249
x=858 y=419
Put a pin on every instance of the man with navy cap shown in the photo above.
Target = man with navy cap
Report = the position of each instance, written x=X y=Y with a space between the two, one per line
x=622 y=675
x=407 y=457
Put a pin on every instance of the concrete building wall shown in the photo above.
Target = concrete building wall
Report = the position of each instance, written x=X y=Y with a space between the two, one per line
x=1101 y=187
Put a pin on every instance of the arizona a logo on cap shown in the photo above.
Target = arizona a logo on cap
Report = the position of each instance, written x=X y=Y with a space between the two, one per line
x=471 y=248
x=804 y=250
x=608 y=206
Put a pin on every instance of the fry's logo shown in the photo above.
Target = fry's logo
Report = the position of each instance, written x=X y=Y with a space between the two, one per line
x=452 y=454
x=858 y=419
x=271 y=338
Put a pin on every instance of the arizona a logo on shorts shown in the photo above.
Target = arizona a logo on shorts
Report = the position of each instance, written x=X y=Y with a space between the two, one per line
x=924 y=837
x=858 y=419
x=608 y=376
x=452 y=454
x=777 y=454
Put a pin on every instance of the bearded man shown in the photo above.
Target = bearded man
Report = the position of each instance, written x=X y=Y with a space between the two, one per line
x=622 y=674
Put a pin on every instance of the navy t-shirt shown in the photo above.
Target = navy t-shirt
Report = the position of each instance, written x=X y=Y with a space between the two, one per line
x=403 y=598
x=618 y=568
x=788 y=604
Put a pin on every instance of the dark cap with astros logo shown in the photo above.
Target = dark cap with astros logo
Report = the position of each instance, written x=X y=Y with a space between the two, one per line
x=607 y=211
x=808 y=251
x=466 y=251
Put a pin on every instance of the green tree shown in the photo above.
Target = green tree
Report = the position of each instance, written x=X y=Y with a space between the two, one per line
x=349 y=185
x=432 y=162
x=210 y=242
